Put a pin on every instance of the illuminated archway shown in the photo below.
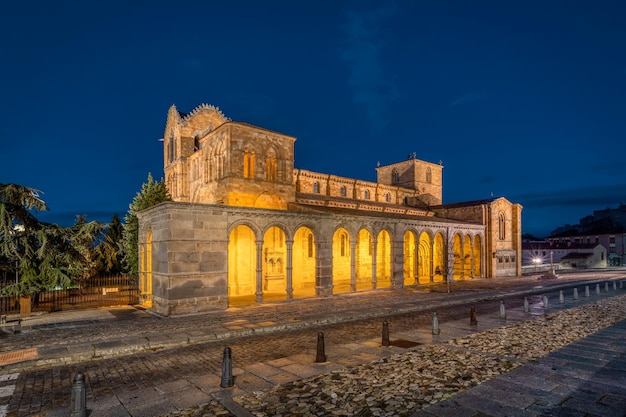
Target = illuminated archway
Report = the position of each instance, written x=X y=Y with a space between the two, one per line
x=341 y=261
x=383 y=260
x=146 y=271
x=303 y=267
x=467 y=257
x=425 y=259
x=477 y=256
x=439 y=261
x=410 y=275
x=241 y=266
x=364 y=246
x=274 y=264
x=458 y=258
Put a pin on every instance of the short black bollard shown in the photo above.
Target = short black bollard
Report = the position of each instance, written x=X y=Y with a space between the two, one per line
x=526 y=306
x=436 y=324
x=473 y=321
x=385 y=341
x=321 y=355
x=561 y=297
x=575 y=294
x=227 y=369
x=586 y=290
x=502 y=311
x=78 y=407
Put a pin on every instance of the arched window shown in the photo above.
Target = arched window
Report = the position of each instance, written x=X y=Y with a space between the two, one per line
x=395 y=176
x=343 y=244
x=171 y=149
x=342 y=191
x=429 y=176
x=366 y=194
x=501 y=227
x=316 y=187
x=270 y=166
x=248 y=164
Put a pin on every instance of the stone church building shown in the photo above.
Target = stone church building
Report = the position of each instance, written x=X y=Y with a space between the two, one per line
x=246 y=226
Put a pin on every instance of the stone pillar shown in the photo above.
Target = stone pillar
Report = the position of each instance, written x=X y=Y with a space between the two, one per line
x=259 y=271
x=353 y=261
x=374 y=244
x=289 y=269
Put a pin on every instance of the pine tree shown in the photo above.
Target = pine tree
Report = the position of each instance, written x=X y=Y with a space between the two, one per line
x=152 y=193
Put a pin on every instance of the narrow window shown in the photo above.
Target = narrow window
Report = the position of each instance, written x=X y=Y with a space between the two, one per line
x=395 y=176
x=429 y=176
x=387 y=197
x=501 y=227
x=367 y=194
x=342 y=191
x=343 y=245
x=316 y=187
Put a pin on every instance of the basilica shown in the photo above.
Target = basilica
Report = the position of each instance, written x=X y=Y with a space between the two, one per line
x=246 y=226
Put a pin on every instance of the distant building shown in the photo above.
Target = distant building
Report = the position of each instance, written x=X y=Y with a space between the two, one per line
x=539 y=256
x=605 y=227
x=247 y=226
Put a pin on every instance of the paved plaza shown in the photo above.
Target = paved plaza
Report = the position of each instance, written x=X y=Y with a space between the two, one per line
x=139 y=364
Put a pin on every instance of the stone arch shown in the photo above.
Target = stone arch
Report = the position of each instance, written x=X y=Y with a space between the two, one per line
x=145 y=287
x=274 y=263
x=477 y=254
x=342 y=257
x=467 y=257
x=242 y=264
x=363 y=259
x=383 y=259
x=425 y=258
x=410 y=249
x=439 y=258
x=304 y=262
x=457 y=250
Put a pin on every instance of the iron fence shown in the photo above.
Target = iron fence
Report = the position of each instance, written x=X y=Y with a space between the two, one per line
x=91 y=293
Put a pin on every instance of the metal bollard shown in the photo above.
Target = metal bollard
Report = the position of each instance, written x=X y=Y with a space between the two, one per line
x=526 y=306
x=606 y=286
x=385 y=341
x=321 y=355
x=598 y=289
x=78 y=406
x=435 y=324
x=575 y=294
x=586 y=290
x=545 y=302
x=561 y=297
x=473 y=321
x=502 y=311
x=614 y=285
x=227 y=369
x=621 y=285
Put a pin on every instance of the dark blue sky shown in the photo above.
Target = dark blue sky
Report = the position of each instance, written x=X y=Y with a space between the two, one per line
x=521 y=99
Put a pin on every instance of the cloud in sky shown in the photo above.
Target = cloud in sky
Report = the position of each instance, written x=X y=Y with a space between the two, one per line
x=362 y=50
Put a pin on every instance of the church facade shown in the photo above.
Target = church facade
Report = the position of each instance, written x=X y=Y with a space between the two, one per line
x=246 y=226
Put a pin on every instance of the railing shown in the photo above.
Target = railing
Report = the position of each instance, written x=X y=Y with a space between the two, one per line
x=91 y=293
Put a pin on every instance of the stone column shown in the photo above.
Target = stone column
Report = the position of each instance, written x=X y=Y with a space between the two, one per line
x=353 y=264
x=259 y=271
x=289 y=269
x=374 y=244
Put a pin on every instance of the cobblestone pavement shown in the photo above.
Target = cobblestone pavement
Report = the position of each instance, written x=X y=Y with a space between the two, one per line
x=184 y=379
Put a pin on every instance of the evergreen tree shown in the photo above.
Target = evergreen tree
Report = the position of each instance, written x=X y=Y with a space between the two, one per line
x=45 y=255
x=152 y=193
x=109 y=253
